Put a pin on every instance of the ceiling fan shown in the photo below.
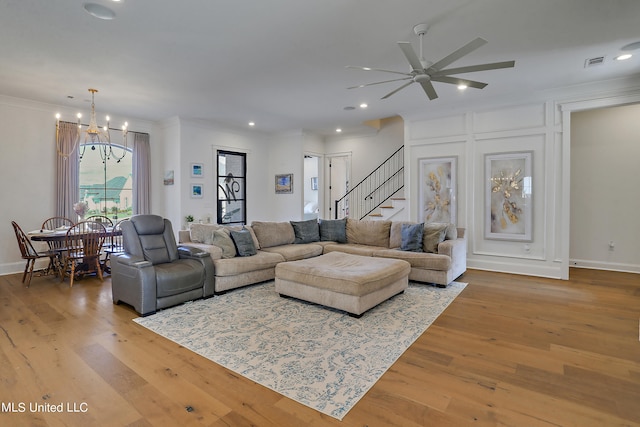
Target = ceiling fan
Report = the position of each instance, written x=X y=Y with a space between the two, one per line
x=425 y=73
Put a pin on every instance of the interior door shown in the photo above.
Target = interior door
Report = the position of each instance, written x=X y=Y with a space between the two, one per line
x=339 y=174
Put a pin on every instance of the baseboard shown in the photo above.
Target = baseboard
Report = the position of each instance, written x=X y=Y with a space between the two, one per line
x=609 y=266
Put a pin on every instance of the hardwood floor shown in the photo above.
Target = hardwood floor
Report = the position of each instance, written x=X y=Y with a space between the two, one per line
x=509 y=351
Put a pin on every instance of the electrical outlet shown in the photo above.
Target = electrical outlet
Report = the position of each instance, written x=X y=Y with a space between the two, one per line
x=612 y=245
x=527 y=248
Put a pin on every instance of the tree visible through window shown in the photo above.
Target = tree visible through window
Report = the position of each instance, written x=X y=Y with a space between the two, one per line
x=106 y=180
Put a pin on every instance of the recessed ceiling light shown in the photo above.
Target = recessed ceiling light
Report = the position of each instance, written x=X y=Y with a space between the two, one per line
x=623 y=57
x=462 y=86
x=99 y=11
x=363 y=105
x=338 y=130
x=252 y=123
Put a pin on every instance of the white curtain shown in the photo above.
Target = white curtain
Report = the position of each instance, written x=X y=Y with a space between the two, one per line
x=67 y=171
x=141 y=174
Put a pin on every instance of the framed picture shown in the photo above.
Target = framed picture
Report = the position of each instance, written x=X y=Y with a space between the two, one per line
x=197 y=170
x=284 y=183
x=196 y=191
x=508 y=199
x=168 y=177
x=437 y=197
x=314 y=183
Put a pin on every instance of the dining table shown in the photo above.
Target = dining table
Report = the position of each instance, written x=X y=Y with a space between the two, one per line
x=60 y=235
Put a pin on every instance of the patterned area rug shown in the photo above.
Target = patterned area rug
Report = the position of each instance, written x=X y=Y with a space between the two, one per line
x=317 y=356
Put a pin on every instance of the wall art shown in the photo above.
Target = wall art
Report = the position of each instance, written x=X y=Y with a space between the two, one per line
x=437 y=197
x=284 y=183
x=197 y=170
x=196 y=191
x=508 y=197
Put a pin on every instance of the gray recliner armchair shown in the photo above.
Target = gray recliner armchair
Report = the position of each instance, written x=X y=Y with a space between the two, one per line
x=153 y=272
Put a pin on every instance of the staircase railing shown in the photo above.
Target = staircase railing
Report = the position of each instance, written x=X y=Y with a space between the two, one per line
x=386 y=180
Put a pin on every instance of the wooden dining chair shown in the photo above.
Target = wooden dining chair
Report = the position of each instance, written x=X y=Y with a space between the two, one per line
x=83 y=246
x=54 y=223
x=113 y=245
x=30 y=254
x=105 y=220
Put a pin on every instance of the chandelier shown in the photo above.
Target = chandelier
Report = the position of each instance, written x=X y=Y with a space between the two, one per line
x=94 y=135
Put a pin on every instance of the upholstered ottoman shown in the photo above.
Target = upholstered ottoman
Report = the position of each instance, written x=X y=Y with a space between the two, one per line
x=352 y=283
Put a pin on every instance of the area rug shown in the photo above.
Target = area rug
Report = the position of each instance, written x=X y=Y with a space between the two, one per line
x=317 y=356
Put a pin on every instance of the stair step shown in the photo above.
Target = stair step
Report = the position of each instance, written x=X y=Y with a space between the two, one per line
x=376 y=215
x=386 y=207
x=398 y=198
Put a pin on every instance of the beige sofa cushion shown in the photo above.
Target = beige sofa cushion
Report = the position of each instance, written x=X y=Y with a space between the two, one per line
x=347 y=248
x=271 y=234
x=372 y=233
x=238 y=265
x=202 y=233
x=222 y=239
x=296 y=251
x=421 y=260
x=434 y=234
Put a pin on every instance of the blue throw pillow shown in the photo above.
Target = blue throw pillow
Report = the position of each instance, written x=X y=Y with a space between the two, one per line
x=412 y=237
x=333 y=230
x=306 y=231
x=244 y=242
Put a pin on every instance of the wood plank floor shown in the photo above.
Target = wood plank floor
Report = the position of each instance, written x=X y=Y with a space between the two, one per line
x=509 y=351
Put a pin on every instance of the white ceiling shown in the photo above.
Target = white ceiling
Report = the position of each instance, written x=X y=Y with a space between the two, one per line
x=281 y=63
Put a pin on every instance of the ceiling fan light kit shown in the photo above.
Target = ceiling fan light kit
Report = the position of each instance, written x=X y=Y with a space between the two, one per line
x=425 y=73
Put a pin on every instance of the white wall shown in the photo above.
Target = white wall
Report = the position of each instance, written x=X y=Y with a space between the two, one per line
x=199 y=142
x=605 y=188
x=470 y=137
x=541 y=127
x=369 y=151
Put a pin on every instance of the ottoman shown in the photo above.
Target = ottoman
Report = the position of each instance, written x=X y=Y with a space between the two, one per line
x=352 y=283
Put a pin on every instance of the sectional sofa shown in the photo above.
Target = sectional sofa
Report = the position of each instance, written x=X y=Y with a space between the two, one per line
x=244 y=255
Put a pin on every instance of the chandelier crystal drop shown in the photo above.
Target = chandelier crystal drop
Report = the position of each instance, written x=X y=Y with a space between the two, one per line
x=93 y=134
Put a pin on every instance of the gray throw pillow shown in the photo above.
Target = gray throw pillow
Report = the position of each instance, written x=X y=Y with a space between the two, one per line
x=333 y=230
x=306 y=231
x=412 y=237
x=244 y=242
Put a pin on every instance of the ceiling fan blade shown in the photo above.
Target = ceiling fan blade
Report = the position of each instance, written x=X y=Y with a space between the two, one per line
x=464 y=50
x=377 y=83
x=397 y=90
x=429 y=90
x=411 y=56
x=472 y=68
x=376 y=69
x=457 y=81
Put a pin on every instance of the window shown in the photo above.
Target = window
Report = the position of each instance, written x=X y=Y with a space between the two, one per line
x=106 y=180
x=231 y=176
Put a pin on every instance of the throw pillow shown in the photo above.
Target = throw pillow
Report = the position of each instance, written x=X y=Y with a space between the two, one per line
x=333 y=230
x=412 y=237
x=222 y=239
x=434 y=234
x=451 y=232
x=243 y=242
x=306 y=231
x=367 y=232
